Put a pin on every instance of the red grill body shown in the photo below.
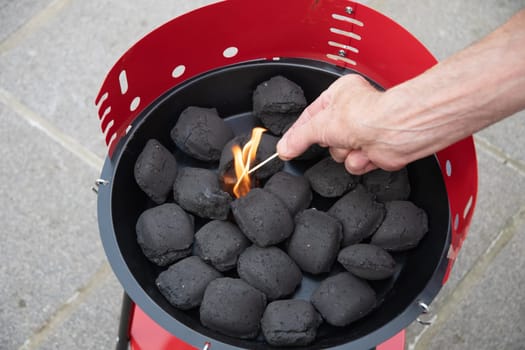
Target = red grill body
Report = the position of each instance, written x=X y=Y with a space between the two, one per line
x=341 y=33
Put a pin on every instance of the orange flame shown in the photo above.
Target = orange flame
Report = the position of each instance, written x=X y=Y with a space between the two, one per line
x=242 y=160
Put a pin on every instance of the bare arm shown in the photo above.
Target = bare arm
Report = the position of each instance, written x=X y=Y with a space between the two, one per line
x=459 y=96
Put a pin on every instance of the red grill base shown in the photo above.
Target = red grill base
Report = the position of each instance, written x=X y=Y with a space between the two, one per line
x=145 y=334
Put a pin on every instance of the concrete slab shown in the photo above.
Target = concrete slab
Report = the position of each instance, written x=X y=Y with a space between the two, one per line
x=500 y=194
x=507 y=135
x=50 y=243
x=13 y=14
x=94 y=325
x=492 y=315
x=445 y=28
x=58 y=72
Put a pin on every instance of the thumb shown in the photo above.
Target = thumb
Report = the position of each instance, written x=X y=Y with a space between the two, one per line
x=304 y=132
x=357 y=163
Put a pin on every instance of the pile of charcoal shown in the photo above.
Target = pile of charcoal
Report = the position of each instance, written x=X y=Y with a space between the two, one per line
x=242 y=267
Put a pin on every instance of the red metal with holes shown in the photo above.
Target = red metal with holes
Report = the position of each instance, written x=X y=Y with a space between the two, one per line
x=376 y=47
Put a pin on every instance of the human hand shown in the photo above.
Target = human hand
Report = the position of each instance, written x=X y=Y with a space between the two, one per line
x=349 y=119
x=366 y=128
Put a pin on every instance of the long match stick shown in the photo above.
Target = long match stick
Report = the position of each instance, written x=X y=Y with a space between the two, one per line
x=263 y=162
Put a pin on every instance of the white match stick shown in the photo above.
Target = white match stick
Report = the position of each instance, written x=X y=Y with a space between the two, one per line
x=263 y=162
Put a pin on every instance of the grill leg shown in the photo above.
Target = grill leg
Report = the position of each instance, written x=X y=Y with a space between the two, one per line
x=125 y=319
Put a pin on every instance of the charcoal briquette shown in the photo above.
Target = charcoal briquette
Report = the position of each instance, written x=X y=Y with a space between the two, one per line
x=330 y=179
x=232 y=307
x=165 y=233
x=262 y=217
x=277 y=103
x=290 y=323
x=267 y=147
x=315 y=241
x=343 y=298
x=155 y=171
x=184 y=282
x=220 y=243
x=388 y=185
x=404 y=226
x=294 y=191
x=201 y=133
x=359 y=213
x=199 y=191
x=367 y=261
x=270 y=270
x=226 y=159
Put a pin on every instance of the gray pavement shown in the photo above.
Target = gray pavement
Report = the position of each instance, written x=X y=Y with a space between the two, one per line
x=57 y=290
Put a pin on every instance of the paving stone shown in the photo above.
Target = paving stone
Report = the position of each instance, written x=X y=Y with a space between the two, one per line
x=507 y=135
x=50 y=242
x=500 y=195
x=58 y=72
x=492 y=314
x=445 y=28
x=14 y=14
x=48 y=213
x=94 y=325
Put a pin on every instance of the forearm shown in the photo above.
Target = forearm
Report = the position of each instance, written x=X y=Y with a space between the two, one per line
x=463 y=94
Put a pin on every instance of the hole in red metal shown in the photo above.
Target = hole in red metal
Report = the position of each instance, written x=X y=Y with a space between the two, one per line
x=230 y=52
x=134 y=104
x=123 y=82
x=178 y=71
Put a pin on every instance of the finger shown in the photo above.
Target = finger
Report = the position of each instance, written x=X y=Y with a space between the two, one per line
x=339 y=154
x=315 y=107
x=371 y=166
x=357 y=162
x=304 y=132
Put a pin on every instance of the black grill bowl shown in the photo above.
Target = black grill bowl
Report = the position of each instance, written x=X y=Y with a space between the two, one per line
x=229 y=89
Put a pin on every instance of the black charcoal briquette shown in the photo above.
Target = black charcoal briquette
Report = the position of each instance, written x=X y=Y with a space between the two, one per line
x=165 y=233
x=359 y=213
x=330 y=179
x=226 y=159
x=267 y=147
x=199 y=191
x=231 y=306
x=315 y=241
x=343 y=299
x=367 y=261
x=201 y=133
x=270 y=270
x=220 y=243
x=277 y=103
x=155 y=171
x=184 y=282
x=262 y=217
x=294 y=191
x=404 y=226
x=387 y=185
x=290 y=323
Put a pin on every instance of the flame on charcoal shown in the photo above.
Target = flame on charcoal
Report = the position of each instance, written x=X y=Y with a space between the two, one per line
x=243 y=159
